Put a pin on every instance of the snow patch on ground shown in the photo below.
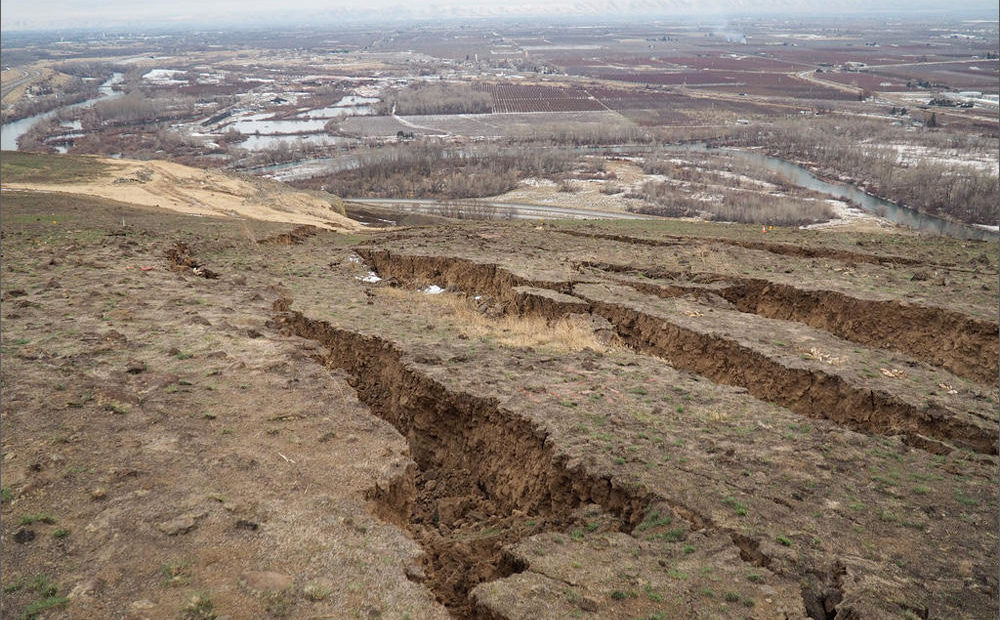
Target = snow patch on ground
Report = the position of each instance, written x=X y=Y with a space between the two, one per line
x=163 y=76
x=371 y=278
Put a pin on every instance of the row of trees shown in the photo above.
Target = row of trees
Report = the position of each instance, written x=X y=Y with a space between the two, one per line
x=415 y=171
x=666 y=199
x=436 y=98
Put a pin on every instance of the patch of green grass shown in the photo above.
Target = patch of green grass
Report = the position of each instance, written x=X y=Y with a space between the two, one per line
x=60 y=533
x=33 y=610
x=689 y=549
x=784 y=540
x=738 y=507
x=653 y=595
x=13 y=587
x=41 y=517
x=732 y=597
x=6 y=494
x=965 y=500
x=654 y=519
x=671 y=535
x=49 y=593
x=116 y=408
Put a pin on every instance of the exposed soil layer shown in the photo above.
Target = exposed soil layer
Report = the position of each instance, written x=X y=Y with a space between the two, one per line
x=482 y=468
x=774 y=248
x=179 y=259
x=808 y=391
x=961 y=344
x=293 y=237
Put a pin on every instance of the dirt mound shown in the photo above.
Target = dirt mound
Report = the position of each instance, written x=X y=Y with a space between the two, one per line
x=199 y=192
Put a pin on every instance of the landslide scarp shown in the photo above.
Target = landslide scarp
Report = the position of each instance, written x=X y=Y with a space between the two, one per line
x=814 y=384
x=484 y=472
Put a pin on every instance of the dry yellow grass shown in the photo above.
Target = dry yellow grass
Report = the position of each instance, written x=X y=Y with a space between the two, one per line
x=512 y=331
x=202 y=192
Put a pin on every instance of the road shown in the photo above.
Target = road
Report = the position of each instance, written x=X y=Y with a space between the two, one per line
x=893 y=98
x=25 y=77
x=521 y=211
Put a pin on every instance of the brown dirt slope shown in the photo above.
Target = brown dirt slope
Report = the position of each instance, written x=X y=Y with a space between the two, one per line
x=193 y=191
x=314 y=433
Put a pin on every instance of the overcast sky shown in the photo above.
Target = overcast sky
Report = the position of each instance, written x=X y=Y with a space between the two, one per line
x=35 y=14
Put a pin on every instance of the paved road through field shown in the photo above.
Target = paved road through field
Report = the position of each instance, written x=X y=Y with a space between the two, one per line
x=521 y=211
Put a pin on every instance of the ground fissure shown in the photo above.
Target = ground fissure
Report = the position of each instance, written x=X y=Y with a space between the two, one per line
x=809 y=391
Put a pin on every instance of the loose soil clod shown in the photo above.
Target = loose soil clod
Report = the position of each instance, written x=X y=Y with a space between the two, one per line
x=180 y=259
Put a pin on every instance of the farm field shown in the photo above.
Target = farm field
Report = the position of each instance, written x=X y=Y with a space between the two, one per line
x=260 y=419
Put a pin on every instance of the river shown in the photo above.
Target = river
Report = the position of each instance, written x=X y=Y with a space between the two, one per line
x=891 y=211
x=11 y=132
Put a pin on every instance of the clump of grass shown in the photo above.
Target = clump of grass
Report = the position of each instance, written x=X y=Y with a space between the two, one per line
x=654 y=519
x=41 y=517
x=737 y=506
x=174 y=573
x=47 y=590
x=966 y=500
x=315 y=592
x=199 y=606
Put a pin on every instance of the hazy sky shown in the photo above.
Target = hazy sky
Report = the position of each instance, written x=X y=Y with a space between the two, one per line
x=34 y=14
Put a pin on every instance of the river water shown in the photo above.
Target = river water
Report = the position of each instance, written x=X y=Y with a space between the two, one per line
x=10 y=132
x=873 y=204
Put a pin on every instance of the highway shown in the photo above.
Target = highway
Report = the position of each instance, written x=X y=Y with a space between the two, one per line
x=521 y=211
x=26 y=77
